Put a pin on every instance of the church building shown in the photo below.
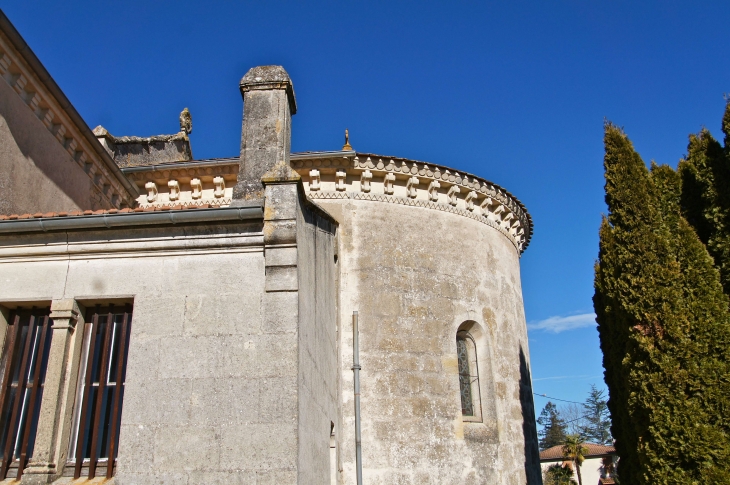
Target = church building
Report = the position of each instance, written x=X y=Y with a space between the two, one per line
x=171 y=320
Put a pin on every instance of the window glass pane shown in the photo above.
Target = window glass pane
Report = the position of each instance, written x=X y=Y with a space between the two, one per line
x=467 y=403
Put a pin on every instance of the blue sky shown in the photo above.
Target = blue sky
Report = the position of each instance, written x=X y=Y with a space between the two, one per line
x=515 y=92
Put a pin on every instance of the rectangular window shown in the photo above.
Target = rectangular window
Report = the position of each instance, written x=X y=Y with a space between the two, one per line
x=23 y=371
x=95 y=437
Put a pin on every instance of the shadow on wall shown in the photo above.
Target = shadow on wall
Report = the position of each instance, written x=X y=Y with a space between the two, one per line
x=41 y=151
x=529 y=428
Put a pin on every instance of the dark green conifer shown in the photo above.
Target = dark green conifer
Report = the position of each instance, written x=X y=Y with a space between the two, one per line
x=705 y=176
x=664 y=329
x=597 y=427
x=553 y=427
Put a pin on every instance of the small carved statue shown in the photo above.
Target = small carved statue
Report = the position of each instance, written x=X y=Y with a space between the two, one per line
x=347 y=146
x=186 y=121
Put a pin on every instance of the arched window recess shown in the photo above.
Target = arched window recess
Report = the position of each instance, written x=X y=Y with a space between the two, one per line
x=471 y=402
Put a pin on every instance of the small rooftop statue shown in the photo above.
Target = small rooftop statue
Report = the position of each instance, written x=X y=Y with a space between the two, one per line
x=347 y=146
x=186 y=122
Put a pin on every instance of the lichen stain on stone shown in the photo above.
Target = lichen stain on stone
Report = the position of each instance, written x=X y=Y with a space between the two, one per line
x=278 y=126
x=500 y=390
x=490 y=320
x=450 y=364
x=458 y=428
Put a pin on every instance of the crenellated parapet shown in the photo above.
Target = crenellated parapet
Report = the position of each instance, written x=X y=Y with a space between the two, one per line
x=363 y=176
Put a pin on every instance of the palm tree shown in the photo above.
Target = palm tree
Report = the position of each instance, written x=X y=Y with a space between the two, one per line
x=574 y=451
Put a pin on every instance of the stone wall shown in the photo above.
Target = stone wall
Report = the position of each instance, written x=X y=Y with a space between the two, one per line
x=416 y=276
x=206 y=399
x=36 y=173
x=317 y=386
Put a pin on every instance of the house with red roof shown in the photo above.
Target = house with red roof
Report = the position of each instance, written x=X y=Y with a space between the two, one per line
x=597 y=469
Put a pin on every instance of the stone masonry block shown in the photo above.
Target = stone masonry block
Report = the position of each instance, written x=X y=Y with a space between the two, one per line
x=223 y=314
x=147 y=478
x=216 y=402
x=258 y=357
x=188 y=448
x=189 y=357
x=281 y=256
x=259 y=446
x=281 y=313
x=224 y=478
x=281 y=202
x=136 y=448
x=278 y=399
x=276 y=477
x=280 y=232
x=143 y=361
x=159 y=316
x=157 y=401
x=282 y=278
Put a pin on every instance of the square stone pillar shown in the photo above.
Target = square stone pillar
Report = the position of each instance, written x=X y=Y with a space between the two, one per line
x=59 y=390
x=268 y=105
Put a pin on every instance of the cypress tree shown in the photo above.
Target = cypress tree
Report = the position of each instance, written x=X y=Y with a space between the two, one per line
x=664 y=329
x=705 y=173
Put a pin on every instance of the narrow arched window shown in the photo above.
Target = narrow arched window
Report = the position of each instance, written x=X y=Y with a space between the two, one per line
x=468 y=375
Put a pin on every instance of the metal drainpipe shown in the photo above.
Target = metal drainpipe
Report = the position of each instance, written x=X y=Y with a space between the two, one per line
x=356 y=370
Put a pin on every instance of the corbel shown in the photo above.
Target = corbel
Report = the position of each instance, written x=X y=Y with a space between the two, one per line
x=340 y=180
x=197 y=188
x=433 y=190
x=151 y=191
x=469 y=199
x=220 y=187
x=314 y=180
x=174 y=187
x=411 y=187
x=365 y=178
x=388 y=182
x=452 y=194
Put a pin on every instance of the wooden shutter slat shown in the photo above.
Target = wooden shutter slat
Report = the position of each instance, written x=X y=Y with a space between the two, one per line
x=100 y=393
x=85 y=398
x=117 y=393
x=7 y=379
x=9 y=442
x=33 y=394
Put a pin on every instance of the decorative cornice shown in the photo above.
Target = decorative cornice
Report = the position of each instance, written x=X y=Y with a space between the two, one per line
x=43 y=97
x=408 y=182
x=362 y=176
x=189 y=185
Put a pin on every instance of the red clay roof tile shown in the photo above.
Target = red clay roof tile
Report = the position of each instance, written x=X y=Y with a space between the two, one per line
x=556 y=452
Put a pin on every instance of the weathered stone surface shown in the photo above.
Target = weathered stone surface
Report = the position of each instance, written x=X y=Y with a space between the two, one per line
x=268 y=105
x=415 y=284
x=135 y=151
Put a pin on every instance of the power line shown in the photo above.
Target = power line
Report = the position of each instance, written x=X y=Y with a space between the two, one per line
x=555 y=398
